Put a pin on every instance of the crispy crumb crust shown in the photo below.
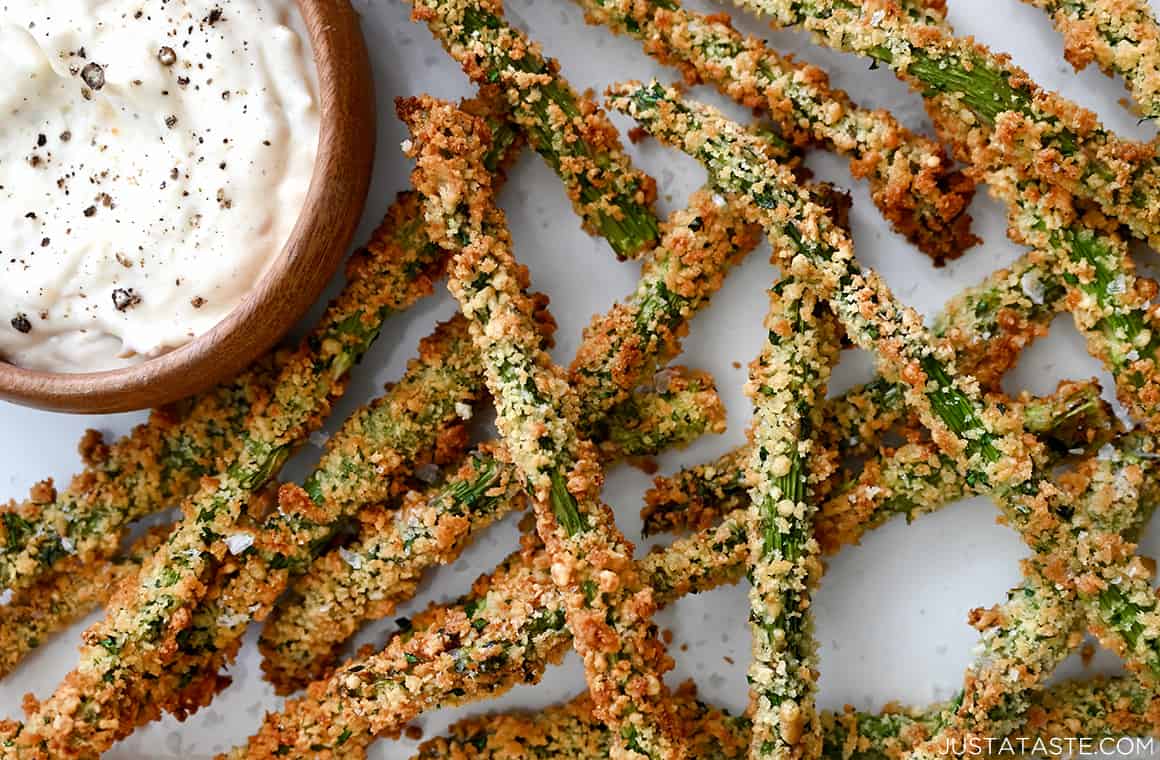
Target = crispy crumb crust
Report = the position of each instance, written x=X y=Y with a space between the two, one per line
x=786 y=382
x=512 y=625
x=572 y=730
x=1065 y=143
x=1082 y=250
x=1099 y=707
x=74 y=589
x=911 y=179
x=987 y=326
x=163 y=460
x=609 y=608
x=158 y=463
x=916 y=478
x=984 y=438
x=365 y=581
x=1120 y=36
x=505 y=632
x=1083 y=569
x=106 y=697
x=635 y=338
x=569 y=130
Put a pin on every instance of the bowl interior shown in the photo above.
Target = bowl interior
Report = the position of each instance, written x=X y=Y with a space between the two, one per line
x=310 y=256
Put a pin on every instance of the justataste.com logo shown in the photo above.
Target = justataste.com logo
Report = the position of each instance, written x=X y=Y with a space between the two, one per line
x=1055 y=746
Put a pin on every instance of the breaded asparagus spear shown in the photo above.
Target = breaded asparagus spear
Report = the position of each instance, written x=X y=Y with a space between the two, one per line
x=158 y=463
x=911 y=179
x=1120 y=36
x=505 y=632
x=636 y=337
x=1087 y=554
x=686 y=268
x=384 y=565
x=617 y=358
x=107 y=696
x=816 y=249
x=573 y=731
x=1074 y=150
x=65 y=596
x=988 y=325
x=371 y=457
x=917 y=478
x=161 y=461
x=572 y=134
x=786 y=382
x=512 y=626
x=608 y=606
x=1098 y=707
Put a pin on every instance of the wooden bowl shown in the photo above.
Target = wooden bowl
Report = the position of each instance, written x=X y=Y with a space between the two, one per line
x=315 y=248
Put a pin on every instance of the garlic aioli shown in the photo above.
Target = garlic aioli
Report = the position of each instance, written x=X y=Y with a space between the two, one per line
x=154 y=157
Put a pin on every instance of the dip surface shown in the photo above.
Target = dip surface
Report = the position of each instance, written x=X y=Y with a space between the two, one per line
x=154 y=157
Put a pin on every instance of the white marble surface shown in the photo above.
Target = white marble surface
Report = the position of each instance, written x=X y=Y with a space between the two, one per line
x=891 y=612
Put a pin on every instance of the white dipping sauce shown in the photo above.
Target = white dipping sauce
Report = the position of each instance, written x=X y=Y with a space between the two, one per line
x=154 y=157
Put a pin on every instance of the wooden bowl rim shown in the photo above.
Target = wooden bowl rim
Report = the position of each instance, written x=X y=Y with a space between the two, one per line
x=310 y=256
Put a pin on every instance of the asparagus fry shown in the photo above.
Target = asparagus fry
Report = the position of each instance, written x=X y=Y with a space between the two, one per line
x=1119 y=36
x=418 y=420
x=106 y=697
x=573 y=731
x=988 y=325
x=608 y=607
x=697 y=247
x=512 y=626
x=505 y=632
x=917 y=478
x=162 y=461
x=65 y=596
x=158 y=463
x=911 y=179
x=382 y=568
x=1084 y=252
x=1097 y=707
x=786 y=382
x=813 y=246
x=1076 y=151
x=568 y=130
x=682 y=406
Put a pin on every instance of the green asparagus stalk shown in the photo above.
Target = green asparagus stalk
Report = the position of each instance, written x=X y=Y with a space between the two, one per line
x=505 y=632
x=372 y=458
x=162 y=461
x=574 y=731
x=917 y=478
x=572 y=134
x=1120 y=36
x=64 y=597
x=107 y=696
x=911 y=179
x=158 y=463
x=786 y=382
x=988 y=325
x=817 y=249
x=698 y=246
x=1094 y=708
x=608 y=607
x=512 y=626
x=384 y=565
x=1038 y=128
